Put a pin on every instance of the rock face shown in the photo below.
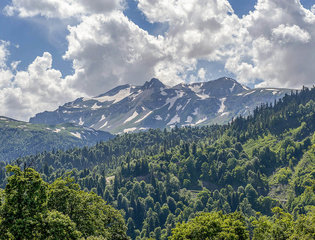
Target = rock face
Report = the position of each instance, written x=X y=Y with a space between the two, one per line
x=130 y=108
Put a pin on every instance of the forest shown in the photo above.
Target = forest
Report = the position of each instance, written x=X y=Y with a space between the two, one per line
x=250 y=179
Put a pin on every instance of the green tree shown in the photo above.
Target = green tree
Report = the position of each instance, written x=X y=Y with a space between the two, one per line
x=32 y=209
x=58 y=226
x=89 y=211
x=212 y=226
x=25 y=204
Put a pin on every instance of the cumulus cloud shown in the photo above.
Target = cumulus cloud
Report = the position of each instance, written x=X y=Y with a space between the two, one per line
x=286 y=34
x=275 y=45
x=198 y=29
x=108 y=50
x=202 y=73
x=39 y=88
x=61 y=8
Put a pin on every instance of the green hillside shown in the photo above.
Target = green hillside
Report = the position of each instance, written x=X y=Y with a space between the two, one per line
x=252 y=179
x=18 y=139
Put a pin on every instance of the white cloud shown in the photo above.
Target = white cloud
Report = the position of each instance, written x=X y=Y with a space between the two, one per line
x=37 y=89
x=61 y=8
x=108 y=50
x=197 y=28
x=286 y=34
x=202 y=73
x=14 y=65
x=274 y=45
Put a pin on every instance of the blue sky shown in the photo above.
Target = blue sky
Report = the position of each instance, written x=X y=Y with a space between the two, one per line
x=67 y=49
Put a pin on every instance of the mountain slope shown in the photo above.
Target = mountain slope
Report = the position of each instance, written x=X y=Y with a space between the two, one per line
x=18 y=139
x=161 y=178
x=134 y=108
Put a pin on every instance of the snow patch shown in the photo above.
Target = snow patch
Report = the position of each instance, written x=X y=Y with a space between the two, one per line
x=246 y=88
x=77 y=135
x=115 y=98
x=203 y=96
x=225 y=113
x=95 y=106
x=127 y=130
x=134 y=115
x=171 y=101
x=196 y=88
x=232 y=88
x=134 y=95
x=202 y=120
x=57 y=130
x=187 y=103
x=102 y=118
x=80 y=121
x=178 y=107
x=175 y=119
x=158 y=117
x=199 y=92
x=251 y=92
x=144 y=117
x=222 y=107
x=104 y=125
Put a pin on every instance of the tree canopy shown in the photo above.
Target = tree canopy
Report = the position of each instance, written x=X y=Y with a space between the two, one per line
x=33 y=209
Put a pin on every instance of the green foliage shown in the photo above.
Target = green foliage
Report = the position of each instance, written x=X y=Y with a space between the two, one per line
x=87 y=210
x=24 y=207
x=58 y=226
x=283 y=226
x=33 y=209
x=212 y=226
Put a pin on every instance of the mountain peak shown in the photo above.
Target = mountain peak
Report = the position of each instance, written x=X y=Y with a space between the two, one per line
x=114 y=91
x=153 y=105
x=231 y=83
x=153 y=83
x=227 y=80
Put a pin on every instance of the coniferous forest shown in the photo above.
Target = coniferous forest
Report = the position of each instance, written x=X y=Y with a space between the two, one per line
x=250 y=179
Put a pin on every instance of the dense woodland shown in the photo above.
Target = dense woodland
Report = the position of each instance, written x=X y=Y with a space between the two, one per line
x=250 y=179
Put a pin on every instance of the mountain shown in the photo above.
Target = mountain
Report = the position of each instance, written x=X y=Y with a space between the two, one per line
x=260 y=167
x=130 y=108
x=18 y=139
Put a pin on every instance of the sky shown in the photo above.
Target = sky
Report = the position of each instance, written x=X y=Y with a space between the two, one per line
x=54 y=51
